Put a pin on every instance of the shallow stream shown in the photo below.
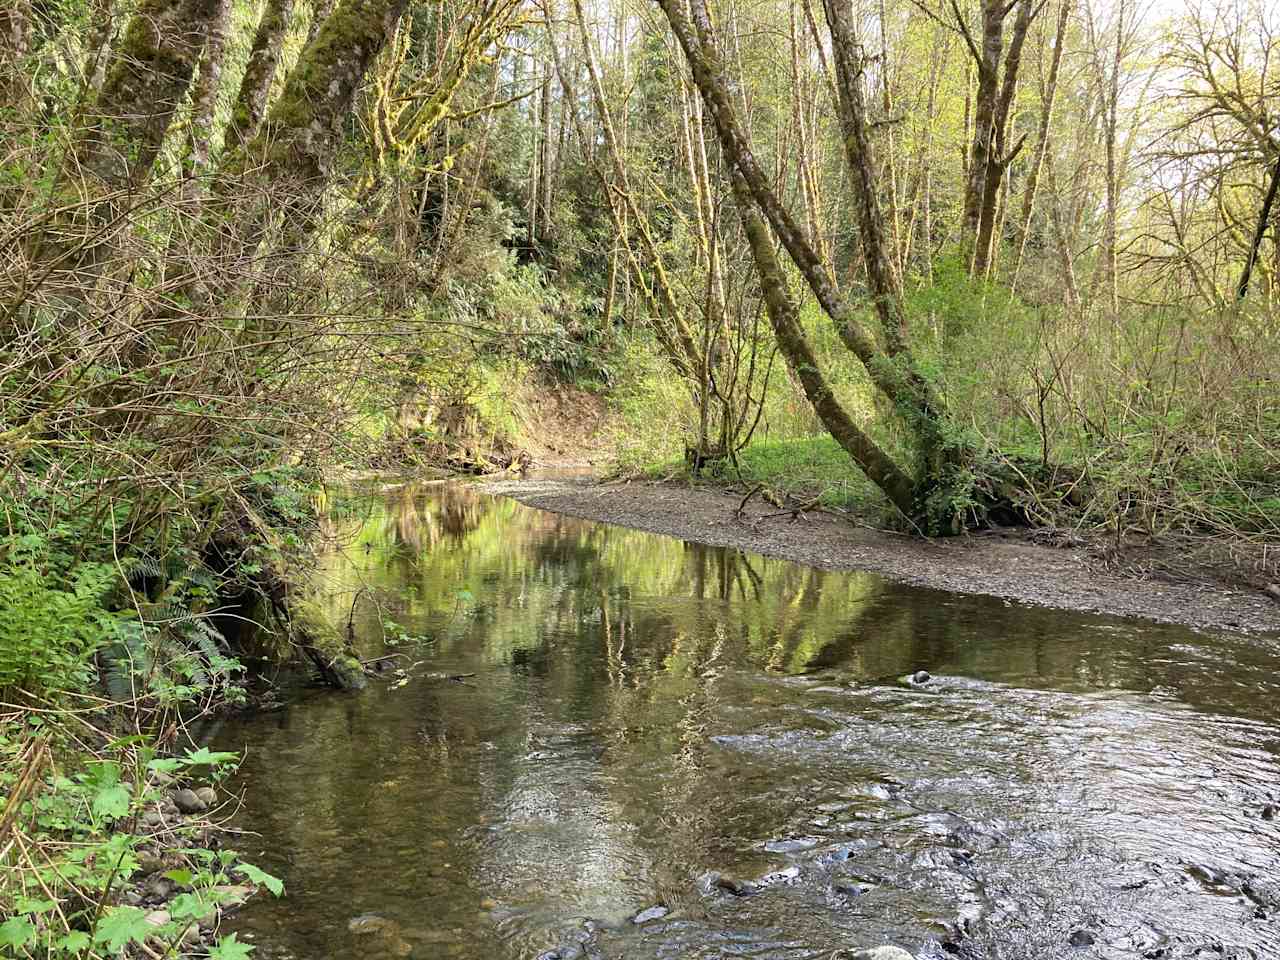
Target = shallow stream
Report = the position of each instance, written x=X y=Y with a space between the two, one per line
x=612 y=744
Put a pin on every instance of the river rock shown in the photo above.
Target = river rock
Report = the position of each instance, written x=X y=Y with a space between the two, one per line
x=153 y=818
x=853 y=889
x=160 y=888
x=735 y=886
x=1265 y=893
x=148 y=863
x=370 y=923
x=232 y=895
x=1081 y=938
x=921 y=676
x=777 y=877
x=188 y=801
x=887 y=952
x=157 y=918
x=207 y=794
x=656 y=912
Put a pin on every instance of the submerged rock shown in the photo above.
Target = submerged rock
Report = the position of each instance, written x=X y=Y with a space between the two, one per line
x=1081 y=938
x=733 y=885
x=656 y=912
x=368 y=924
x=854 y=889
x=887 y=952
x=776 y=877
x=1265 y=893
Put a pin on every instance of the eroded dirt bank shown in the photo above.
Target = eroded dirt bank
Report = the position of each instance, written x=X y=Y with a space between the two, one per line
x=1065 y=578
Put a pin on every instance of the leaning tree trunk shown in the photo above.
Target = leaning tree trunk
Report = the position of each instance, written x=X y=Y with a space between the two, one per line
x=295 y=144
x=784 y=317
x=1243 y=290
x=147 y=81
x=264 y=58
x=891 y=369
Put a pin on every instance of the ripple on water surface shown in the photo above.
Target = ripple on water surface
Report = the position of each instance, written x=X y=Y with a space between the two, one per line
x=619 y=745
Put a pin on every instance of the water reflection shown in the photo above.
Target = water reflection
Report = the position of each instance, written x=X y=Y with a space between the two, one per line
x=633 y=712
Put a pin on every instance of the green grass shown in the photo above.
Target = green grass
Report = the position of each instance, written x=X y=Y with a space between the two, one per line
x=805 y=469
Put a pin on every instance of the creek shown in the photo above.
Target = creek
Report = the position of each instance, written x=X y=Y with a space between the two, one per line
x=612 y=744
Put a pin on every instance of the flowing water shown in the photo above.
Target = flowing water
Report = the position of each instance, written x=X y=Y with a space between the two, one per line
x=601 y=722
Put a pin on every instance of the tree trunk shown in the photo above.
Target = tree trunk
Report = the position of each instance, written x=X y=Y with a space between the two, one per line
x=1264 y=215
x=320 y=10
x=147 y=80
x=987 y=62
x=255 y=86
x=673 y=330
x=892 y=370
x=1042 y=140
x=998 y=156
x=789 y=332
x=204 y=101
x=881 y=277
x=295 y=143
x=15 y=44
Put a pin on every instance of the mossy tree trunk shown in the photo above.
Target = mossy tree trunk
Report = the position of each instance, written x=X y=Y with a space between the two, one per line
x=148 y=78
x=290 y=156
x=784 y=317
x=886 y=357
x=255 y=85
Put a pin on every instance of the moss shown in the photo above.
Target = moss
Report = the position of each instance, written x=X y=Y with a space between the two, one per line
x=149 y=76
x=324 y=643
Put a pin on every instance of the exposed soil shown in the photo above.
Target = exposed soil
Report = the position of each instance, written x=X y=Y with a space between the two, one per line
x=567 y=427
x=1007 y=565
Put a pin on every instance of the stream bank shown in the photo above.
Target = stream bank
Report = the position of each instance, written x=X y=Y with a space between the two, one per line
x=1004 y=565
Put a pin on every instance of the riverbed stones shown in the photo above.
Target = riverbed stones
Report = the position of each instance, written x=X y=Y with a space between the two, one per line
x=1081 y=938
x=853 y=889
x=649 y=914
x=368 y=924
x=776 y=877
x=207 y=794
x=733 y=885
x=188 y=801
x=886 y=952
x=921 y=676
x=159 y=888
x=1265 y=893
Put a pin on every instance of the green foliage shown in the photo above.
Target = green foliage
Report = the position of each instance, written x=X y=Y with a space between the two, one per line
x=82 y=818
x=50 y=633
x=805 y=470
